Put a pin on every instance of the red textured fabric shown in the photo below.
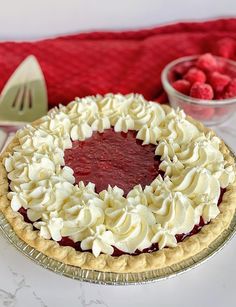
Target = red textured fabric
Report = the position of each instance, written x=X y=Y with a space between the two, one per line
x=124 y=62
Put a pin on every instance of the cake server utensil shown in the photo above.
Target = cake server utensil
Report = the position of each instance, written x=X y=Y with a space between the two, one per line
x=24 y=97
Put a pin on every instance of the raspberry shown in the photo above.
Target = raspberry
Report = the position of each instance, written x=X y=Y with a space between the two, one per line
x=219 y=81
x=181 y=69
x=207 y=62
x=221 y=65
x=230 y=89
x=195 y=75
x=182 y=86
x=201 y=91
x=219 y=96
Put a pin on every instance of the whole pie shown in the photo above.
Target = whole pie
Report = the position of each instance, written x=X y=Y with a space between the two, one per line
x=117 y=183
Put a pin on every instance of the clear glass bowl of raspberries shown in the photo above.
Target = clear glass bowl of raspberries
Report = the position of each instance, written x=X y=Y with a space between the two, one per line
x=204 y=86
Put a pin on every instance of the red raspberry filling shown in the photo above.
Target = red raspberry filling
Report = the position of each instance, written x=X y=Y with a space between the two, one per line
x=111 y=158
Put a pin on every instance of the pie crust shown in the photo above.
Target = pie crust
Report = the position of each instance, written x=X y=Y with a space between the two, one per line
x=125 y=263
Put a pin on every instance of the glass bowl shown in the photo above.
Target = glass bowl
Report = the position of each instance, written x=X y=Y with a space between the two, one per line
x=210 y=112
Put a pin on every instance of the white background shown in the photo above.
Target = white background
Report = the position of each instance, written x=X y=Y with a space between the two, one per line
x=23 y=283
x=27 y=19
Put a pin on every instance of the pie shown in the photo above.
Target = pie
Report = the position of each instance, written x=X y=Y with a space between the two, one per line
x=118 y=184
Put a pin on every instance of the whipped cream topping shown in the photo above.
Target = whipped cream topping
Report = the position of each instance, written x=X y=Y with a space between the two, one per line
x=175 y=212
x=193 y=164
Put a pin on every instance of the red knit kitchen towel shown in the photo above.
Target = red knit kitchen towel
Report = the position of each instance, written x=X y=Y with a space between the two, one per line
x=124 y=62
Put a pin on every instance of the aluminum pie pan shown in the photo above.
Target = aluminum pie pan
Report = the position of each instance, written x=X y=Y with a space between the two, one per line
x=116 y=278
x=108 y=278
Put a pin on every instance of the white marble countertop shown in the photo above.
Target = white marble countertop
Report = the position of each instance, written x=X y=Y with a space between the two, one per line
x=23 y=283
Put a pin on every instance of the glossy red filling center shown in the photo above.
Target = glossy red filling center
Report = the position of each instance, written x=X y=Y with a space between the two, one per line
x=112 y=158
x=115 y=159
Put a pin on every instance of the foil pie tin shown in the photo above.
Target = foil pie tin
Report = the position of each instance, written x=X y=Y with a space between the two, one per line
x=117 y=278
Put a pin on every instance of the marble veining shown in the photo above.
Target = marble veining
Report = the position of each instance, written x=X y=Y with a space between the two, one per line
x=87 y=302
x=39 y=299
x=10 y=298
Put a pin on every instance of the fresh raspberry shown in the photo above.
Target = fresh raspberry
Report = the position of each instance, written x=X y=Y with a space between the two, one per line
x=195 y=75
x=201 y=91
x=219 y=96
x=230 y=89
x=218 y=81
x=207 y=62
x=182 y=86
x=221 y=65
x=181 y=69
